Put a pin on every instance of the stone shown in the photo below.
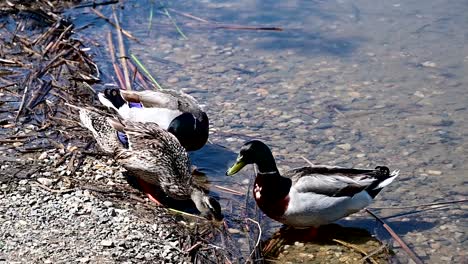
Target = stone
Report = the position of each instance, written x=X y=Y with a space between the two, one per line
x=107 y=243
x=346 y=146
x=45 y=181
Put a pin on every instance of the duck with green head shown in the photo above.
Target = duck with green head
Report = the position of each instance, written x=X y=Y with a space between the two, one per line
x=309 y=196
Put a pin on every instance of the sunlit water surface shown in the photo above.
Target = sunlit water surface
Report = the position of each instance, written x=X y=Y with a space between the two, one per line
x=350 y=83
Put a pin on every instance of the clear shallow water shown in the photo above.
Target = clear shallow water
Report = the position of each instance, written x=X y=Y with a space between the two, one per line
x=352 y=83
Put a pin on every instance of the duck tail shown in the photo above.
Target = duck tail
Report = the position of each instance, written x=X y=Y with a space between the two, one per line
x=102 y=130
x=384 y=178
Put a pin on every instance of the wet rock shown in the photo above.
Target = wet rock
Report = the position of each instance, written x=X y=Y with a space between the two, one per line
x=346 y=146
x=434 y=172
x=173 y=80
x=429 y=64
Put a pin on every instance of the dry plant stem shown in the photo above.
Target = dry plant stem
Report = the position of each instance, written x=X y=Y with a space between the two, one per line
x=258 y=238
x=403 y=245
x=224 y=26
x=382 y=247
x=189 y=16
x=117 y=70
x=123 y=56
x=186 y=214
x=358 y=249
x=52 y=190
x=422 y=205
x=138 y=75
x=416 y=211
x=22 y=103
x=125 y=32
x=225 y=189
x=308 y=161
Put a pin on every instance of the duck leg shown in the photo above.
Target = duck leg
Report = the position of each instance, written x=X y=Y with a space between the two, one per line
x=148 y=190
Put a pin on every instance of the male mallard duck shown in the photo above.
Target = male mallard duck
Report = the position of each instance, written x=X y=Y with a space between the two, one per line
x=174 y=111
x=153 y=155
x=309 y=196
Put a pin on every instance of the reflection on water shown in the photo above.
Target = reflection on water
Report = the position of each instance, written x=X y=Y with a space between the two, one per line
x=353 y=83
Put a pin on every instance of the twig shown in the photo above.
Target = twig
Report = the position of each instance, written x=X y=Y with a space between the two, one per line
x=94 y=4
x=143 y=68
x=138 y=75
x=308 y=161
x=52 y=190
x=175 y=24
x=4 y=141
x=258 y=238
x=403 y=245
x=373 y=253
x=125 y=32
x=117 y=70
x=123 y=56
x=185 y=213
x=416 y=211
x=22 y=103
x=358 y=249
x=421 y=205
x=231 y=191
x=190 y=249
x=150 y=19
x=189 y=16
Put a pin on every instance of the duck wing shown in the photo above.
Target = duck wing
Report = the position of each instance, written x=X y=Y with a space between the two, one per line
x=169 y=99
x=336 y=181
x=156 y=156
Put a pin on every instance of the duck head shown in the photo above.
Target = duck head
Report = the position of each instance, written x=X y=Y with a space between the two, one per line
x=208 y=206
x=191 y=131
x=254 y=152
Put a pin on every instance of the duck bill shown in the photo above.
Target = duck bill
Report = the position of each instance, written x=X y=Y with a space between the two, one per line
x=236 y=168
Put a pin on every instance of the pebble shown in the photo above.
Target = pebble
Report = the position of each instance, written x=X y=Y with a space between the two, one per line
x=108 y=204
x=42 y=156
x=434 y=172
x=429 y=64
x=298 y=244
x=196 y=56
x=419 y=94
x=173 y=80
x=45 y=181
x=345 y=146
x=107 y=243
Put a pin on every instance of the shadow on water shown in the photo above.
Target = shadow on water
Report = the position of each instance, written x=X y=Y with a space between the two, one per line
x=213 y=167
x=400 y=227
x=311 y=43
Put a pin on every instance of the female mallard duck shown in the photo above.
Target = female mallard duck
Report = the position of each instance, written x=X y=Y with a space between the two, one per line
x=153 y=156
x=309 y=196
x=174 y=111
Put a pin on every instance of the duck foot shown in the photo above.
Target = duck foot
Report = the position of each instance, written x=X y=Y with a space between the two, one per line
x=148 y=190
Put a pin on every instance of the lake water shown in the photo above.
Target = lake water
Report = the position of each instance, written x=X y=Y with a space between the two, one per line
x=351 y=83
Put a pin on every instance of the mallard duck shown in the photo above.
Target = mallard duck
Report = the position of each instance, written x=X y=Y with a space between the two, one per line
x=309 y=196
x=174 y=111
x=151 y=154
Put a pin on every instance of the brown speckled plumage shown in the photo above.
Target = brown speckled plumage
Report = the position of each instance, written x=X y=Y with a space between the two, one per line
x=153 y=155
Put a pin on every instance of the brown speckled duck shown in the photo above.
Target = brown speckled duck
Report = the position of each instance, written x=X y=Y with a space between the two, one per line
x=152 y=155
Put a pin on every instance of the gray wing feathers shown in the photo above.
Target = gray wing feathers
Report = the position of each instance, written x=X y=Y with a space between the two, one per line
x=331 y=181
x=169 y=99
